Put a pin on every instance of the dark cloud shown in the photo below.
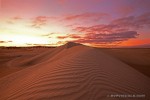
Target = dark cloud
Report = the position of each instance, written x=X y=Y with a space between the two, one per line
x=102 y=38
x=108 y=38
x=5 y=41
x=30 y=44
x=47 y=35
x=2 y=41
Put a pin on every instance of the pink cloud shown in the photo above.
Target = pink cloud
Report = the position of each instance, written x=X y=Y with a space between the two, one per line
x=134 y=22
x=16 y=18
x=85 y=16
x=73 y=36
x=126 y=10
x=117 y=31
x=62 y=1
x=12 y=20
x=39 y=21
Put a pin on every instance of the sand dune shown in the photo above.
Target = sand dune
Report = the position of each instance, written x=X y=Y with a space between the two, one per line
x=72 y=72
x=15 y=59
x=138 y=58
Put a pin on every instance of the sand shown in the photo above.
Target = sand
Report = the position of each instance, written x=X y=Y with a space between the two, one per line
x=15 y=59
x=138 y=58
x=72 y=72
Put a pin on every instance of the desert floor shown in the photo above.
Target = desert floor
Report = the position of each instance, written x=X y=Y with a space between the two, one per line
x=138 y=58
x=74 y=72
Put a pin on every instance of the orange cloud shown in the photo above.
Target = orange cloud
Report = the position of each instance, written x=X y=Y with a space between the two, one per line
x=134 y=42
x=72 y=36
x=62 y=37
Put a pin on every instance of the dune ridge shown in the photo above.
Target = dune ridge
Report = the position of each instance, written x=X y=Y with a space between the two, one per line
x=73 y=72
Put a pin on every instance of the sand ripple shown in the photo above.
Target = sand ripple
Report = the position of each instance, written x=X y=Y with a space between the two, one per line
x=73 y=73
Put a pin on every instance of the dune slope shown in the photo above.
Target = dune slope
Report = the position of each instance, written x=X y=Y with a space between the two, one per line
x=74 y=72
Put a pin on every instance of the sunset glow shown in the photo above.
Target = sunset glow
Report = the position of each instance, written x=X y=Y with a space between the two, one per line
x=98 y=23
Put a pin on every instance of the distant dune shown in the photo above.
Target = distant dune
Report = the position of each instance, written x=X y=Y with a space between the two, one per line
x=138 y=58
x=70 y=72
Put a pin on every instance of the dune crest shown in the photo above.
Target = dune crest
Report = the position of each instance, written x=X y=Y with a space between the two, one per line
x=74 y=73
x=71 y=44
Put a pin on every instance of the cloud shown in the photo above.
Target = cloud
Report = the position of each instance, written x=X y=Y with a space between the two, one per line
x=13 y=20
x=126 y=10
x=85 y=16
x=30 y=44
x=47 y=35
x=133 y=22
x=119 y=25
x=103 y=38
x=117 y=31
x=16 y=18
x=72 y=36
x=39 y=21
x=5 y=41
x=50 y=44
x=107 y=29
x=114 y=33
x=62 y=1
x=104 y=34
x=2 y=41
x=62 y=37
x=10 y=22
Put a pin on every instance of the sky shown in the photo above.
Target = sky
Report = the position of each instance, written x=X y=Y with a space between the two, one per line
x=97 y=23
